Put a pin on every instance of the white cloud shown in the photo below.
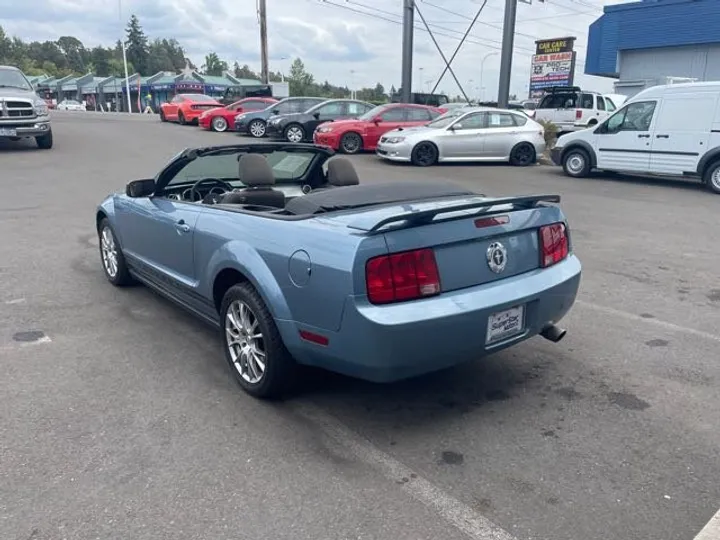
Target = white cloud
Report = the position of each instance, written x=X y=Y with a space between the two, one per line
x=333 y=37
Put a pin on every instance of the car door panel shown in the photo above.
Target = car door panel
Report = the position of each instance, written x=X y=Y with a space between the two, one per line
x=623 y=142
x=466 y=139
x=390 y=120
x=681 y=133
x=500 y=135
x=157 y=236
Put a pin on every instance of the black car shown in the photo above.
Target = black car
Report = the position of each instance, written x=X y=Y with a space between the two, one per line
x=299 y=127
x=254 y=123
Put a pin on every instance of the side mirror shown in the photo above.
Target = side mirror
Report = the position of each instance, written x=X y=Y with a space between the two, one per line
x=316 y=115
x=276 y=111
x=377 y=120
x=456 y=126
x=140 y=188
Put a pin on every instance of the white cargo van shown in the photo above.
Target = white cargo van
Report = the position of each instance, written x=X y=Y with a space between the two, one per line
x=671 y=130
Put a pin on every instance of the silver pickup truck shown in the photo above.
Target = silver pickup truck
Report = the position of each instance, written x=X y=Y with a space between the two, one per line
x=23 y=113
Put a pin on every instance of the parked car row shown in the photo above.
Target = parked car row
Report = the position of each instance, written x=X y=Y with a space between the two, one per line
x=419 y=134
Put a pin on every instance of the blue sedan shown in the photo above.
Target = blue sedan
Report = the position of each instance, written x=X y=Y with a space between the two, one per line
x=297 y=263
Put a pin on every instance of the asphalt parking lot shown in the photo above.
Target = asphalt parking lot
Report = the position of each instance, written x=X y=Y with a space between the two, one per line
x=120 y=419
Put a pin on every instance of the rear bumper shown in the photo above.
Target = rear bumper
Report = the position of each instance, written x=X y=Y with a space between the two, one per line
x=204 y=122
x=35 y=128
x=389 y=343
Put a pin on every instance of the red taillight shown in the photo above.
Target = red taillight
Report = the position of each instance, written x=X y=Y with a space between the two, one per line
x=402 y=276
x=491 y=221
x=553 y=244
x=578 y=114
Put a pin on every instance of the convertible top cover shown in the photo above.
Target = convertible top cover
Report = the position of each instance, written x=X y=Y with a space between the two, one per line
x=349 y=197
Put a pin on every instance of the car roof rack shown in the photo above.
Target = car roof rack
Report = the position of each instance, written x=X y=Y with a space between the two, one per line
x=562 y=89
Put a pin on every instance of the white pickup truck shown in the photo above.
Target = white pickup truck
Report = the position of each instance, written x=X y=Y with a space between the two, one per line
x=23 y=113
x=573 y=109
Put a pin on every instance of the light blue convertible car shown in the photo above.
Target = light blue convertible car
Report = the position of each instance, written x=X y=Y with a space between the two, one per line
x=297 y=263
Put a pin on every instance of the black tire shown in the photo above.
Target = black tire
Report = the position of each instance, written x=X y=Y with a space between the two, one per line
x=294 y=128
x=711 y=178
x=162 y=116
x=576 y=163
x=122 y=276
x=281 y=370
x=259 y=130
x=45 y=142
x=181 y=118
x=523 y=155
x=351 y=143
x=424 y=154
x=219 y=124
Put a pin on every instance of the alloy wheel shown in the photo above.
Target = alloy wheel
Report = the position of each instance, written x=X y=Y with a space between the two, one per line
x=245 y=342
x=109 y=252
x=219 y=123
x=351 y=143
x=524 y=155
x=257 y=129
x=294 y=134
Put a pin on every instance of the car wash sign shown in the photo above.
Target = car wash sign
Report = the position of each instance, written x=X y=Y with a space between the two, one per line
x=553 y=64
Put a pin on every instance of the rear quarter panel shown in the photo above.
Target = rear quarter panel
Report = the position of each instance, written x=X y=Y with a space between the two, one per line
x=302 y=269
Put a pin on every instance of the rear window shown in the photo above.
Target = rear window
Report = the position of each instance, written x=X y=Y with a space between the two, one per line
x=200 y=98
x=418 y=115
x=587 y=101
x=563 y=100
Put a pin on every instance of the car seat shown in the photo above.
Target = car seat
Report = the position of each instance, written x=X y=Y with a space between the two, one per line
x=255 y=172
x=341 y=172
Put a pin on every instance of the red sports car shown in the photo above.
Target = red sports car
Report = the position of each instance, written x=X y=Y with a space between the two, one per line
x=223 y=118
x=363 y=133
x=187 y=108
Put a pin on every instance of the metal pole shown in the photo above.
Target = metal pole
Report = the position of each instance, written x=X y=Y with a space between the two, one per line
x=407 y=49
x=264 y=71
x=127 y=77
x=507 y=52
x=482 y=70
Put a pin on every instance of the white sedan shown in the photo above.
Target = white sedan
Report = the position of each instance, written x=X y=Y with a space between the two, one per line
x=70 y=105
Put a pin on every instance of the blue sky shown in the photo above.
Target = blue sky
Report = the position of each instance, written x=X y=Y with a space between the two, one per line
x=353 y=42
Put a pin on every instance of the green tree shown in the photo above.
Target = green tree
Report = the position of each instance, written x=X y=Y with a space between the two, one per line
x=75 y=53
x=301 y=82
x=213 y=65
x=244 y=72
x=137 y=46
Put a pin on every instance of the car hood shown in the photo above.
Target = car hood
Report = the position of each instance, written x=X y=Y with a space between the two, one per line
x=18 y=93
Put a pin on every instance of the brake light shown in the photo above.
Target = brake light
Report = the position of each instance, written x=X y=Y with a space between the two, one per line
x=402 y=276
x=578 y=114
x=553 y=244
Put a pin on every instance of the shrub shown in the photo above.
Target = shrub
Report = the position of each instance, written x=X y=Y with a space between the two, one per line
x=551 y=131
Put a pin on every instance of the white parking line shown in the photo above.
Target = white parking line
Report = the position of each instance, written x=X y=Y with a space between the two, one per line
x=657 y=322
x=711 y=531
x=464 y=518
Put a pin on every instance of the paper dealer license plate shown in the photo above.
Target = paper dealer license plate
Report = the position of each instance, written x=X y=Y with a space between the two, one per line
x=7 y=132
x=505 y=324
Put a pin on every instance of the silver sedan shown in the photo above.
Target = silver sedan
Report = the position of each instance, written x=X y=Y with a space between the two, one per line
x=467 y=134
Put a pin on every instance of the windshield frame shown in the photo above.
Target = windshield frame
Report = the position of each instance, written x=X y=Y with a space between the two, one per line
x=444 y=121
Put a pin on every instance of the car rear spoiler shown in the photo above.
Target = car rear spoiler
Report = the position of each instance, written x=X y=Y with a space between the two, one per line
x=371 y=224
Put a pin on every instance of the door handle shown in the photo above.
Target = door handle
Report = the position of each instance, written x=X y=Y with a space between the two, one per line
x=643 y=136
x=182 y=226
x=662 y=136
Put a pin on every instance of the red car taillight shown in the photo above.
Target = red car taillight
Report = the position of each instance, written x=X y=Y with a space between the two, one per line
x=578 y=114
x=402 y=276
x=553 y=244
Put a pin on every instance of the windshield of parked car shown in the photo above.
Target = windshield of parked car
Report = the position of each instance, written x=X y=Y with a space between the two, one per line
x=446 y=119
x=10 y=78
x=287 y=167
x=199 y=97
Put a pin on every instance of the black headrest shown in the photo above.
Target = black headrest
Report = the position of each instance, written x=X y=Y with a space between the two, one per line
x=254 y=170
x=342 y=173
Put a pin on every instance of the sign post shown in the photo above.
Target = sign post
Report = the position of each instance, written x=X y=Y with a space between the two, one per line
x=553 y=64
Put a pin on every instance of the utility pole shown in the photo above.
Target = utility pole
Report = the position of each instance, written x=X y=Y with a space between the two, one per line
x=507 y=52
x=407 y=49
x=262 y=12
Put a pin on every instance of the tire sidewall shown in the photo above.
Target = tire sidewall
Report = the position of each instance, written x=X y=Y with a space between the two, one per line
x=181 y=118
x=413 y=155
x=257 y=122
x=586 y=158
x=214 y=127
x=342 y=143
x=122 y=276
x=278 y=363
x=708 y=177
x=513 y=158
x=294 y=126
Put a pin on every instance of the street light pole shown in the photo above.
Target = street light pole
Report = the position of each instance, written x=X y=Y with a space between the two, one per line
x=407 y=49
x=127 y=76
